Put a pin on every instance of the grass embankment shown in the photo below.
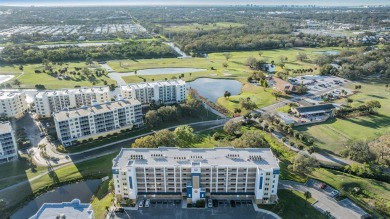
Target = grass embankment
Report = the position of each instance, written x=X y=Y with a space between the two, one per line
x=333 y=134
x=256 y=94
x=95 y=168
x=293 y=205
x=102 y=199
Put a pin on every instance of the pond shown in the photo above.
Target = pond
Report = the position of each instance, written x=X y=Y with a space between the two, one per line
x=82 y=190
x=212 y=89
x=331 y=52
x=154 y=71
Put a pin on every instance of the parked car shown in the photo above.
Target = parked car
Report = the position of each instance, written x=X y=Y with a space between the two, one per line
x=42 y=134
x=233 y=203
x=210 y=203
x=215 y=203
x=119 y=210
x=141 y=203
x=147 y=203
x=334 y=193
x=323 y=186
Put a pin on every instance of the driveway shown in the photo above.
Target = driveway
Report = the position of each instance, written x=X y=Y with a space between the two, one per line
x=325 y=202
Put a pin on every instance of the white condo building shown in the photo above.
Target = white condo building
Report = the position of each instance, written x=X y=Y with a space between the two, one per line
x=162 y=92
x=8 y=147
x=12 y=104
x=196 y=173
x=97 y=120
x=49 y=102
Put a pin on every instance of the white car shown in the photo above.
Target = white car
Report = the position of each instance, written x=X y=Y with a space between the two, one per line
x=147 y=203
x=141 y=204
x=334 y=193
x=210 y=203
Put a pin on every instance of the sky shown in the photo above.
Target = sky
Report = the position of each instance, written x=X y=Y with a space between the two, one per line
x=192 y=2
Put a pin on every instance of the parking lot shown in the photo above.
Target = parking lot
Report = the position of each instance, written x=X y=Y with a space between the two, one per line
x=165 y=203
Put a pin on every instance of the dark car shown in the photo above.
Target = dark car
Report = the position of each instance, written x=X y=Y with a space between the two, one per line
x=215 y=203
x=323 y=186
x=233 y=203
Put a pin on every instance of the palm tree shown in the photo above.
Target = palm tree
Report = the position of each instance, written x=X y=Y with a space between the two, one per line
x=307 y=195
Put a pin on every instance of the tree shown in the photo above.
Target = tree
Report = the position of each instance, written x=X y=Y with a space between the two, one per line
x=301 y=56
x=260 y=53
x=152 y=118
x=184 y=136
x=89 y=61
x=227 y=55
x=46 y=63
x=232 y=127
x=251 y=138
x=358 y=151
x=225 y=65
x=167 y=113
x=307 y=195
x=381 y=147
x=265 y=84
x=227 y=94
x=304 y=163
x=251 y=62
x=17 y=82
x=195 y=106
x=145 y=142
x=373 y=104
x=165 y=138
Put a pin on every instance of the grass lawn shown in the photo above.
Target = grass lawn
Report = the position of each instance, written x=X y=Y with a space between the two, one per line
x=295 y=206
x=372 y=190
x=333 y=134
x=196 y=27
x=102 y=199
x=256 y=93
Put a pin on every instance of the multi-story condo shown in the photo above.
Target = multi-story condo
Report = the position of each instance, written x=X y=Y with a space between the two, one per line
x=48 y=102
x=162 y=92
x=97 y=120
x=12 y=104
x=195 y=173
x=8 y=148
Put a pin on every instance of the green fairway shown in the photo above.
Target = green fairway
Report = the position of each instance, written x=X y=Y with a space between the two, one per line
x=333 y=134
x=293 y=205
x=201 y=27
x=102 y=199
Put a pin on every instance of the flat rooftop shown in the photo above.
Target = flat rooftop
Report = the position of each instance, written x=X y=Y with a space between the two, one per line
x=82 y=90
x=73 y=209
x=315 y=109
x=8 y=94
x=157 y=83
x=5 y=127
x=189 y=157
x=96 y=109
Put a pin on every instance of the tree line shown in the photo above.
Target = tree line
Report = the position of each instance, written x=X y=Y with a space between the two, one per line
x=130 y=50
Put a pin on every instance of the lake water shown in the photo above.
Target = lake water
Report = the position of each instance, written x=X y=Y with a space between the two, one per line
x=212 y=89
x=327 y=52
x=154 y=71
x=82 y=190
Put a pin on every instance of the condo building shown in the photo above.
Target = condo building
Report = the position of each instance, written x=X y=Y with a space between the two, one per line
x=197 y=173
x=162 y=92
x=49 y=102
x=12 y=104
x=8 y=147
x=97 y=120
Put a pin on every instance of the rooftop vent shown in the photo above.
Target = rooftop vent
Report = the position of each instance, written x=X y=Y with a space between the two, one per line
x=196 y=157
x=255 y=157
x=233 y=156
x=137 y=157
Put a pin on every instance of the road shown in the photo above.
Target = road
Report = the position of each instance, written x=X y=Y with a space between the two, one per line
x=325 y=202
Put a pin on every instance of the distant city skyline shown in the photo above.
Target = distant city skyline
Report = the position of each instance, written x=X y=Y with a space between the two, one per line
x=190 y=2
